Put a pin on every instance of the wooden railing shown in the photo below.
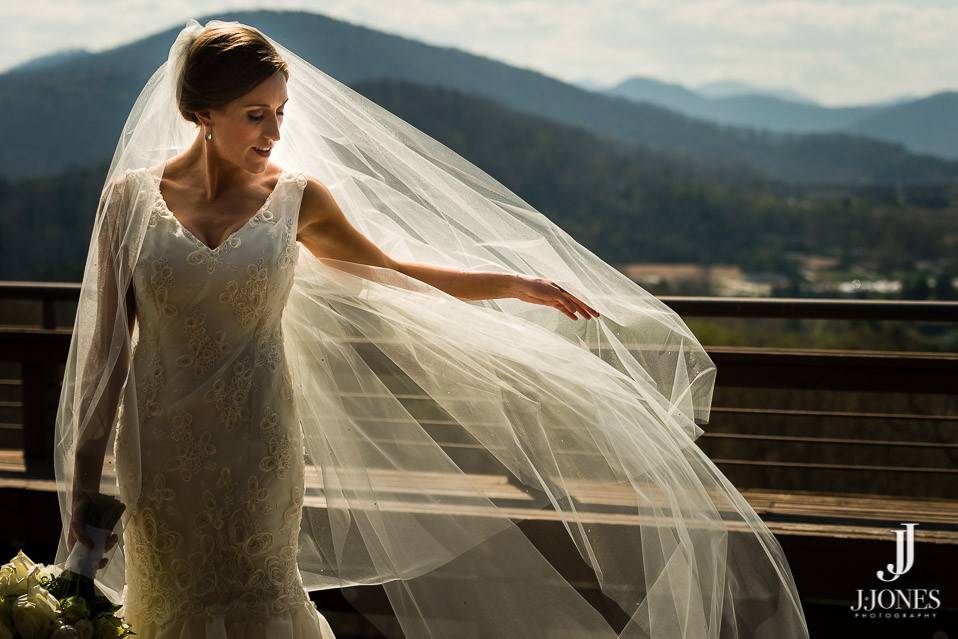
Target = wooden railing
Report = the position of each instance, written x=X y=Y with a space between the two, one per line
x=40 y=350
x=776 y=429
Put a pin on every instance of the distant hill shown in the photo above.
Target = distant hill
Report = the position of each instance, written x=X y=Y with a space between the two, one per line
x=764 y=111
x=929 y=124
x=626 y=205
x=728 y=88
x=70 y=114
x=923 y=125
x=51 y=60
x=589 y=85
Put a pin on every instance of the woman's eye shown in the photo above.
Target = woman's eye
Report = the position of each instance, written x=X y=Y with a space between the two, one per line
x=257 y=118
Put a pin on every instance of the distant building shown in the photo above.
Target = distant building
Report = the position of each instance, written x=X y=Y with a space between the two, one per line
x=752 y=284
x=812 y=264
x=715 y=279
x=676 y=275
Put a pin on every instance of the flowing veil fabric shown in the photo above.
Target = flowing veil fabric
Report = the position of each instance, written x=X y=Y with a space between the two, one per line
x=407 y=396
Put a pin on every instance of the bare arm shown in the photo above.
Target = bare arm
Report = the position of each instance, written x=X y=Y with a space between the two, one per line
x=95 y=433
x=97 y=412
x=326 y=232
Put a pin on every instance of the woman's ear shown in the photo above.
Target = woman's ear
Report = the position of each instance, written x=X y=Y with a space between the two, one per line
x=205 y=118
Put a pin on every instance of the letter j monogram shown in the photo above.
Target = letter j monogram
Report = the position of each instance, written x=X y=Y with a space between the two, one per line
x=904 y=553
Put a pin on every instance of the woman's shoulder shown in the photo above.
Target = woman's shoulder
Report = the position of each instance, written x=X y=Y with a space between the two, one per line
x=317 y=203
x=128 y=180
x=122 y=184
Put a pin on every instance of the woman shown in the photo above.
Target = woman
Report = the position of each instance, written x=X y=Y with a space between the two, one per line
x=249 y=380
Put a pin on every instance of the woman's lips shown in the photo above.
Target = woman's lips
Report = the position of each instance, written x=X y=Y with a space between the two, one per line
x=264 y=154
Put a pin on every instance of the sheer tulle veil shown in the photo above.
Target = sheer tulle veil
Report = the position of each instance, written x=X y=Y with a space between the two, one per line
x=408 y=396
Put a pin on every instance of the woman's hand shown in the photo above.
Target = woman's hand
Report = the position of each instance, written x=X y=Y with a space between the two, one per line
x=539 y=290
x=78 y=533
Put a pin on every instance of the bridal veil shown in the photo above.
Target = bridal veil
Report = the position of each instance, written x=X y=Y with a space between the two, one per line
x=408 y=397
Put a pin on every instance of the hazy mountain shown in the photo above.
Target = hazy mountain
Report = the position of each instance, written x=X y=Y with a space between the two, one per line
x=748 y=109
x=50 y=60
x=71 y=113
x=728 y=88
x=623 y=204
x=589 y=84
x=923 y=125
x=667 y=94
x=896 y=100
x=928 y=124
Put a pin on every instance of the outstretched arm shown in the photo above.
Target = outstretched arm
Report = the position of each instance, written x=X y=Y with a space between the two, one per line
x=325 y=231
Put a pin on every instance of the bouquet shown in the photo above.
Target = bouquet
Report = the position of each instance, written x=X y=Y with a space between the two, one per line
x=50 y=602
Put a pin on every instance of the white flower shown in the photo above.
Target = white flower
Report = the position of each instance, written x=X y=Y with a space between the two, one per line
x=50 y=570
x=39 y=575
x=40 y=595
x=21 y=574
x=22 y=563
x=35 y=614
x=32 y=620
x=11 y=583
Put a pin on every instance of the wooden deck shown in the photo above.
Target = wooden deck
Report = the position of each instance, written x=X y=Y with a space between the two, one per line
x=840 y=516
x=833 y=449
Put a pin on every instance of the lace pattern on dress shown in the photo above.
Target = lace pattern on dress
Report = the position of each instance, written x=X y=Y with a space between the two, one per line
x=242 y=515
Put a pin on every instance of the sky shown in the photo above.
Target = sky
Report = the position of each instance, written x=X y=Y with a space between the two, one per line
x=837 y=52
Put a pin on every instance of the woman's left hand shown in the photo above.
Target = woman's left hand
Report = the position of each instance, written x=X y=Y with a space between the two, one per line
x=539 y=290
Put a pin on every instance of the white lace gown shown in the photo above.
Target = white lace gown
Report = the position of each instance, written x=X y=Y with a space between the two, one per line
x=211 y=546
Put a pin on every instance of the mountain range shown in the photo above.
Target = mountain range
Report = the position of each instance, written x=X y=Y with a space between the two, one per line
x=67 y=110
x=624 y=205
x=923 y=125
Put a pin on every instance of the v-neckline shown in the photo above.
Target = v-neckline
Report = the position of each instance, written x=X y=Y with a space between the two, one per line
x=162 y=202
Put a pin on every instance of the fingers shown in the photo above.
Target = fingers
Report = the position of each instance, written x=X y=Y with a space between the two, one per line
x=557 y=297
x=562 y=308
x=77 y=533
x=80 y=534
x=584 y=308
x=567 y=305
x=586 y=311
x=573 y=303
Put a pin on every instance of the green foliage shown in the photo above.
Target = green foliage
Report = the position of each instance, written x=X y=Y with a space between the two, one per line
x=626 y=205
x=71 y=113
x=645 y=205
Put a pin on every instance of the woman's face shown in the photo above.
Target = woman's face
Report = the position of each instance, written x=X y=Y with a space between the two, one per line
x=251 y=122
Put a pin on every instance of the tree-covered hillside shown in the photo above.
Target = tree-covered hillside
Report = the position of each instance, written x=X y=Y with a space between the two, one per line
x=625 y=205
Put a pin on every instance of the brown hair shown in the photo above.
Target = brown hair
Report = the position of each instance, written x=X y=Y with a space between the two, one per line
x=225 y=63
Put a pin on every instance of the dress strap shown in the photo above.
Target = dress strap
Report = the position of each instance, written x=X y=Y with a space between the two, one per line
x=291 y=196
x=290 y=200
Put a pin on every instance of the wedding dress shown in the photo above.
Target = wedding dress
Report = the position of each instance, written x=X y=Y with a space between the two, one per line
x=400 y=432
x=212 y=550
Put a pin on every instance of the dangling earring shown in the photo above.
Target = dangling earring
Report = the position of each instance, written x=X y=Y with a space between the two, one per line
x=209 y=134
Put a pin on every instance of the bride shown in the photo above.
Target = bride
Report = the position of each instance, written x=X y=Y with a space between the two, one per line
x=291 y=420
